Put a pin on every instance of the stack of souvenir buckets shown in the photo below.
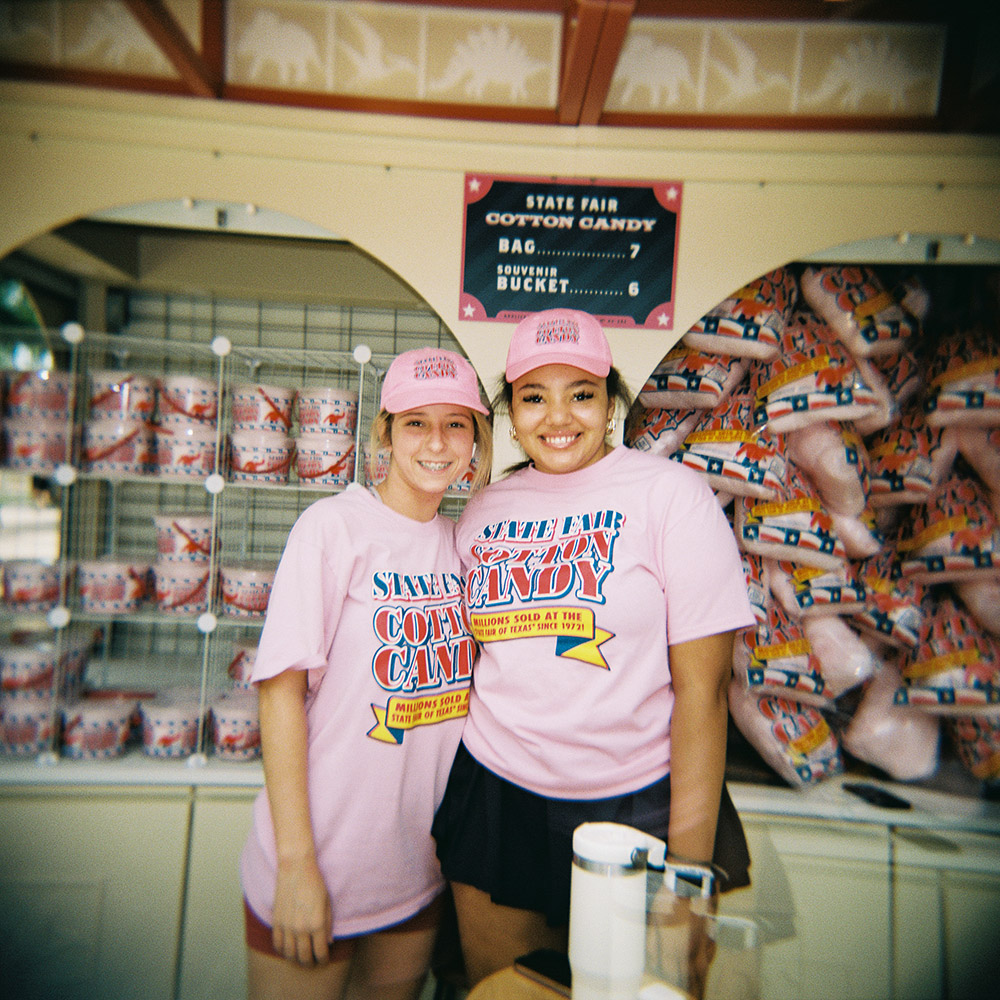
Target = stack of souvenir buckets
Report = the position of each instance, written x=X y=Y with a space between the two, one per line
x=328 y=419
x=183 y=566
x=118 y=435
x=36 y=420
x=260 y=443
x=235 y=723
x=186 y=431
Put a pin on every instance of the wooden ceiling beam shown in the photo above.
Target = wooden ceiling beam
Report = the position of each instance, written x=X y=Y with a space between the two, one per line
x=213 y=40
x=581 y=37
x=160 y=25
x=617 y=16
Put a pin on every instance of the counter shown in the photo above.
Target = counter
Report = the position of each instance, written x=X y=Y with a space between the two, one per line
x=931 y=806
x=916 y=891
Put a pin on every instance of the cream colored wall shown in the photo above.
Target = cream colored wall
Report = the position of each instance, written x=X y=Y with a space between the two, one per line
x=394 y=186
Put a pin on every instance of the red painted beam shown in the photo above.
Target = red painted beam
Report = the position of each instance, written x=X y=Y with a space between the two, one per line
x=582 y=31
x=160 y=25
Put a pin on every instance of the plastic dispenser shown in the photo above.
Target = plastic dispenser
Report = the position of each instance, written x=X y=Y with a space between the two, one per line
x=612 y=864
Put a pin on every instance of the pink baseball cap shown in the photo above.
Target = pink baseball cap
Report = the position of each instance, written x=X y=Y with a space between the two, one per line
x=558 y=337
x=430 y=375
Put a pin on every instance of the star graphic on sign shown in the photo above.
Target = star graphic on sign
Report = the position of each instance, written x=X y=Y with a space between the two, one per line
x=672 y=193
x=469 y=310
x=663 y=319
x=474 y=184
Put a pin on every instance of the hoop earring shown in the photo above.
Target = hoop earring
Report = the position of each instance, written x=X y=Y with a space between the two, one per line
x=610 y=429
x=513 y=434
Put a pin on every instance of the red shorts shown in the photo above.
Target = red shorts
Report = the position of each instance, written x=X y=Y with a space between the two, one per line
x=258 y=934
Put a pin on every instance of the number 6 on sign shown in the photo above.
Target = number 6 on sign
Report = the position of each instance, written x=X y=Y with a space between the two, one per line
x=633 y=288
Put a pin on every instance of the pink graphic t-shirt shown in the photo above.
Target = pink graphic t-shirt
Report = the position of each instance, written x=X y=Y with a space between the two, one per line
x=370 y=603
x=576 y=585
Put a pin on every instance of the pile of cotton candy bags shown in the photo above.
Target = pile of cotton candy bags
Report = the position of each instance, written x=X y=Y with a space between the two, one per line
x=852 y=433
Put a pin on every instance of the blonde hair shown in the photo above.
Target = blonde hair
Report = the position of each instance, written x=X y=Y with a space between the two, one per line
x=381 y=437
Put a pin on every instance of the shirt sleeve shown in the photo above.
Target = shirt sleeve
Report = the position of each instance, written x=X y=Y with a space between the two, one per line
x=306 y=600
x=705 y=586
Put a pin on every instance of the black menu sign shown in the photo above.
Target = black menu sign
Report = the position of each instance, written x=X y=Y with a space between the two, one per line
x=606 y=247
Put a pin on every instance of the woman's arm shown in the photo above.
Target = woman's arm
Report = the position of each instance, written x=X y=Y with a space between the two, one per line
x=701 y=670
x=302 y=909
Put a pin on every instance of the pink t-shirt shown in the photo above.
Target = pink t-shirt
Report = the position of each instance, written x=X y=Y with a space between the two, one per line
x=370 y=603
x=576 y=584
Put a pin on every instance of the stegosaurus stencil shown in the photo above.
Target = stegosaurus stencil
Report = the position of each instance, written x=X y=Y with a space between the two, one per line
x=868 y=68
x=488 y=57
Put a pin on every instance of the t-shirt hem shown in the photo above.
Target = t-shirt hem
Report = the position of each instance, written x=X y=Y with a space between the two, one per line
x=586 y=793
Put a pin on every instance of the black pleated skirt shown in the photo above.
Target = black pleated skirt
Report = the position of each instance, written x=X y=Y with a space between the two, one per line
x=518 y=846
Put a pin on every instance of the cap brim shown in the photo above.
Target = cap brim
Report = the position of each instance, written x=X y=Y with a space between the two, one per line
x=594 y=366
x=414 y=401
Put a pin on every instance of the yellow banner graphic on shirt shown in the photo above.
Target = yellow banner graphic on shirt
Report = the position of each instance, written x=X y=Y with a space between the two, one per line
x=577 y=635
x=400 y=714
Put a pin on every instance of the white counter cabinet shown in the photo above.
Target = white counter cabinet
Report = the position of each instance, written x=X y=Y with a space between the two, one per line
x=820 y=897
x=119 y=879
x=213 y=962
x=91 y=888
x=946 y=906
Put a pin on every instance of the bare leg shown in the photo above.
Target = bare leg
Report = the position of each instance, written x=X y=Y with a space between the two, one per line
x=494 y=935
x=273 y=978
x=391 y=964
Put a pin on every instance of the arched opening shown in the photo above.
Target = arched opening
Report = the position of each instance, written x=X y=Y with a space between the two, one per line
x=132 y=341
x=845 y=410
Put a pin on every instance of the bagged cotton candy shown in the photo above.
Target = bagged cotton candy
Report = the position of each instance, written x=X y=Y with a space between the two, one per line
x=914 y=296
x=902 y=741
x=659 y=430
x=813 y=379
x=904 y=379
x=855 y=304
x=897 y=381
x=776 y=658
x=794 y=739
x=977 y=740
x=731 y=455
x=845 y=660
x=953 y=536
x=954 y=669
x=795 y=527
x=910 y=460
x=806 y=591
x=688 y=380
x=893 y=611
x=885 y=411
x=964 y=382
x=757 y=592
x=981 y=598
x=861 y=535
x=980 y=447
x=834 y=458
x=748 y=323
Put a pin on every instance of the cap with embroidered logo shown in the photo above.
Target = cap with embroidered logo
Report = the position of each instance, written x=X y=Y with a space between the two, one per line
x=558 y=337
x=427 y=376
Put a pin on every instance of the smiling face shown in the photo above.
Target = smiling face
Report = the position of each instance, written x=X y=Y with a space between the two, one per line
x=431 y=448
x=560 y=414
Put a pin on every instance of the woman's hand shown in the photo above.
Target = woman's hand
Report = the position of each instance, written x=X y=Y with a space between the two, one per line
x=681 y=947
x=700 y=943
x=302 y=914
x=302 y=911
